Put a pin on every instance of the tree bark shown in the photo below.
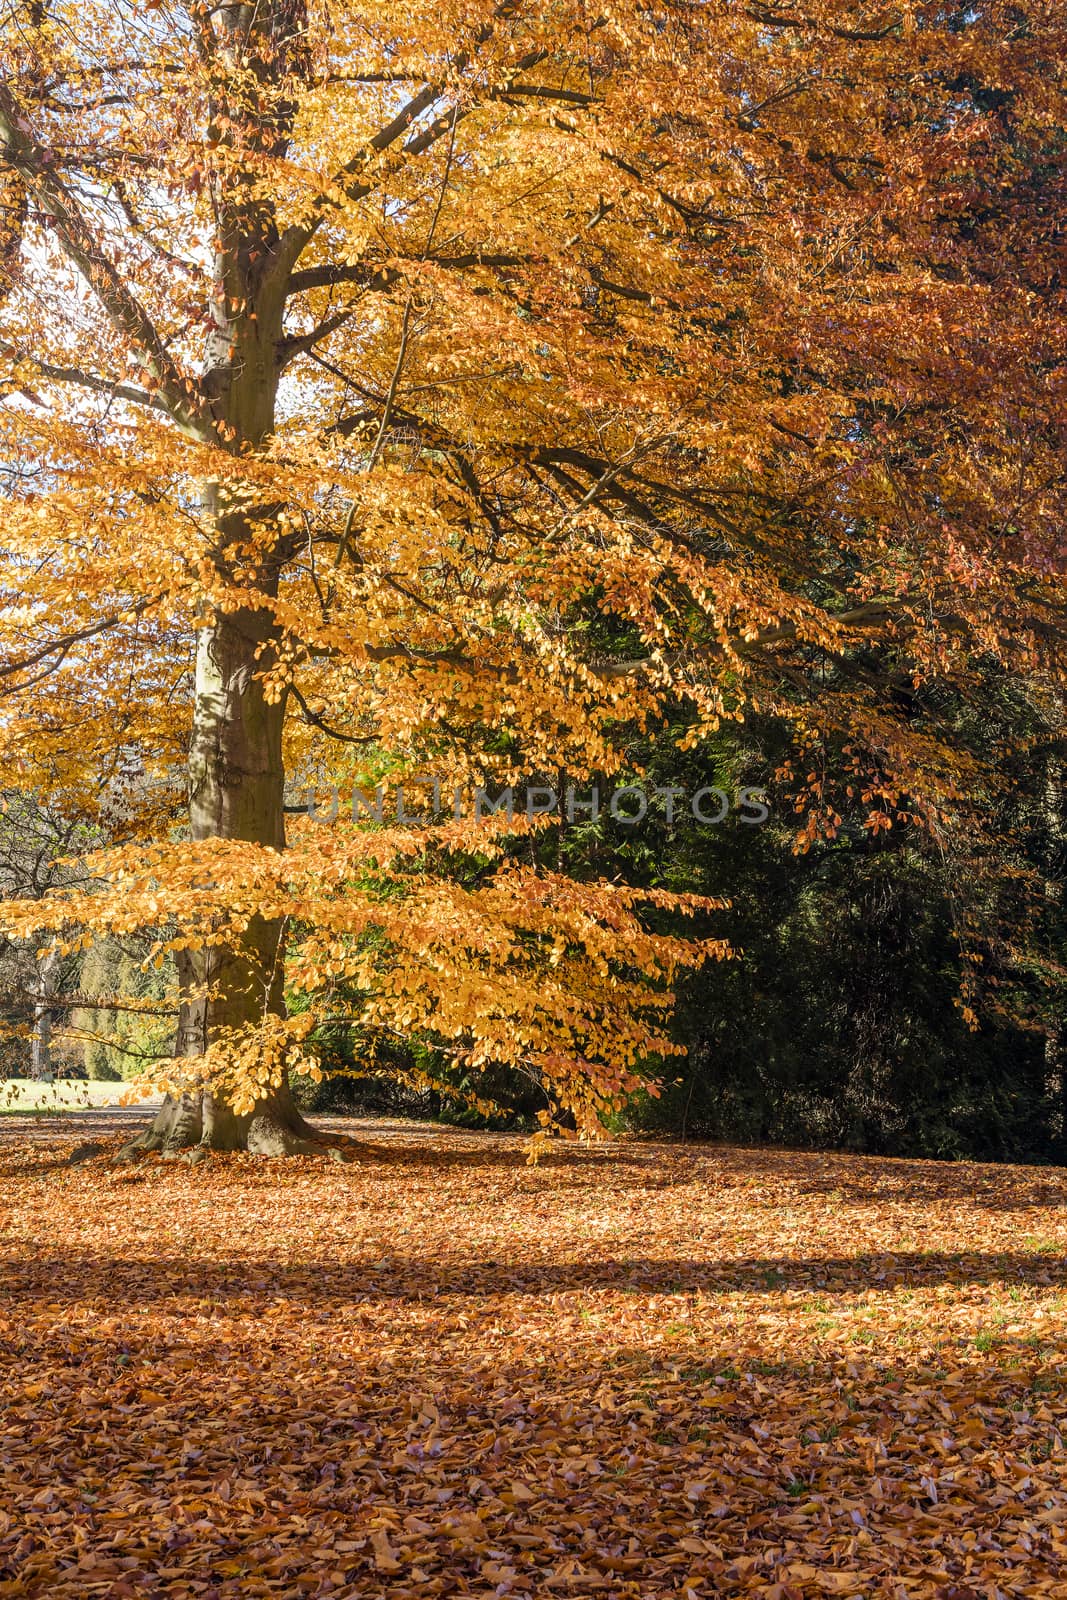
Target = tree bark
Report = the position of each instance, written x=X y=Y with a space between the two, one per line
x=203 y=1122
x=41 y=1038
x=236 y=774
x=236 y=781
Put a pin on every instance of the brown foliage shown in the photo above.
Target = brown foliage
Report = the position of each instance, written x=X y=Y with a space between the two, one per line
x=638 y=1371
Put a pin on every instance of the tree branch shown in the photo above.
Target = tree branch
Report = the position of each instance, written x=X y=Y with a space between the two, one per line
x=376 y=279
x=63 y=646
x=88 y=380
x=297 y=237
x=318 y=721
x=124 y=311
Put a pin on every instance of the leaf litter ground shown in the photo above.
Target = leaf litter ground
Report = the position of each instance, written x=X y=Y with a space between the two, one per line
x=631 y=1371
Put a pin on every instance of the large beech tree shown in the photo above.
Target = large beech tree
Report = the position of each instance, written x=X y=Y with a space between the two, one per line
x=356 y=356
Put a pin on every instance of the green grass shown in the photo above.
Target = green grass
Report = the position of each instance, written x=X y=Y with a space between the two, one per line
x=20 y=1095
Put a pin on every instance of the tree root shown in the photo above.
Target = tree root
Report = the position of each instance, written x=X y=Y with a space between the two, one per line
x=191 y=1128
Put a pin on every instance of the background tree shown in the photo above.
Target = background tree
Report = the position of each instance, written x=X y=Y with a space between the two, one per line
x=125 y=1023
x=36 y=844
x=895 y=989
x=355 y=353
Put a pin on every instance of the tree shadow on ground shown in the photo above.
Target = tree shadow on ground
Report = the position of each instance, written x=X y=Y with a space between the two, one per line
x=869 y=1180
x=70 y=1279
x=629 y=1163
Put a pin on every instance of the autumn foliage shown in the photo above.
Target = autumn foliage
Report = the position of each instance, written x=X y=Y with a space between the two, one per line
x=636 y=1372
x=464 y=387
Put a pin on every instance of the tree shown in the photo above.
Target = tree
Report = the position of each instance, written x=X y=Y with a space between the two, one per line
x=352 y=355
x=35 y=846
x=124 y=1022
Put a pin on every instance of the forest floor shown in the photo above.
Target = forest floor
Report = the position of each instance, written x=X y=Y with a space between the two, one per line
x=631 y=1371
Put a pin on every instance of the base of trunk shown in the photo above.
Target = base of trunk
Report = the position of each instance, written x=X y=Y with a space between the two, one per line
x=192 y=1126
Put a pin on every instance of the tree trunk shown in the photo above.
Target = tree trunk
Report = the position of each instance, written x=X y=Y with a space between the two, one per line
x=236 y=783
x=203 y=1122
x=41 y=1038
x=236 y=776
